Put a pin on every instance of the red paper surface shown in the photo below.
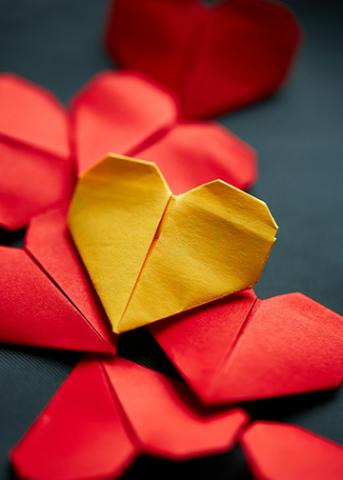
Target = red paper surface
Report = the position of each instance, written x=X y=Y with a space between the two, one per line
x=36 y=171
x=33 y=116
x=124 y=113
x=284 y=345
x=286 y=452
x=35 y=312
x=49 y=242
x=214 y=58
x=115 y=112
x=191 y=154
x=120 y=112
x=108 y=412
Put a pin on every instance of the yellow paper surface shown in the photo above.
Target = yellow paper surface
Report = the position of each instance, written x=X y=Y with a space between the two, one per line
x=151 y=255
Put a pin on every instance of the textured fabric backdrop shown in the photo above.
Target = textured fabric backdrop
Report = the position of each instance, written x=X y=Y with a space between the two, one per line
x=298 y=136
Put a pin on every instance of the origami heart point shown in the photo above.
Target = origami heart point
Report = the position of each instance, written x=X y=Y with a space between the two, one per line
x=151 y=254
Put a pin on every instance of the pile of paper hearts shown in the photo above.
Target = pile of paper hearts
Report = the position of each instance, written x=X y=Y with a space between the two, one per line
x=163 y=245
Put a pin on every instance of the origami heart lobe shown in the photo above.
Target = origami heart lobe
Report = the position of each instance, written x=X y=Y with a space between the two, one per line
x=32 y=116
x=113 y=219
x=118 y=111
x=151 y=255
x=210 y=246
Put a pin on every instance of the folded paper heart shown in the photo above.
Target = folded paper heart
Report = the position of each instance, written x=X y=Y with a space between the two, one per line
x=215 y=58
x=151 y=254
x=116 y=410
x=284 y=345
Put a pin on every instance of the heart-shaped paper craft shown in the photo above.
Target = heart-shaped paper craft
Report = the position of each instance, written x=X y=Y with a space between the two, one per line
x=215 y=56
x=151 y=254
x=284 y=345
x=131 y=411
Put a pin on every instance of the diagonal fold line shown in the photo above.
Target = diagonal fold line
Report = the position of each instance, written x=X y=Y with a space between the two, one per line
x=149 y=253
x=230 y=351
x=51 y=279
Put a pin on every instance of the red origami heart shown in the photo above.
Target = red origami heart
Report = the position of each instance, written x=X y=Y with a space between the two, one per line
x=114 y=411
x=214 y=57
x=284 y=345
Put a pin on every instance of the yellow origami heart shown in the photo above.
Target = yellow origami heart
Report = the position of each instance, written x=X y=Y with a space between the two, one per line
x=151 y=254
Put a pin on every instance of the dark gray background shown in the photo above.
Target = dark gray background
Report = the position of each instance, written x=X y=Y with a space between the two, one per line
x=298 y=136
